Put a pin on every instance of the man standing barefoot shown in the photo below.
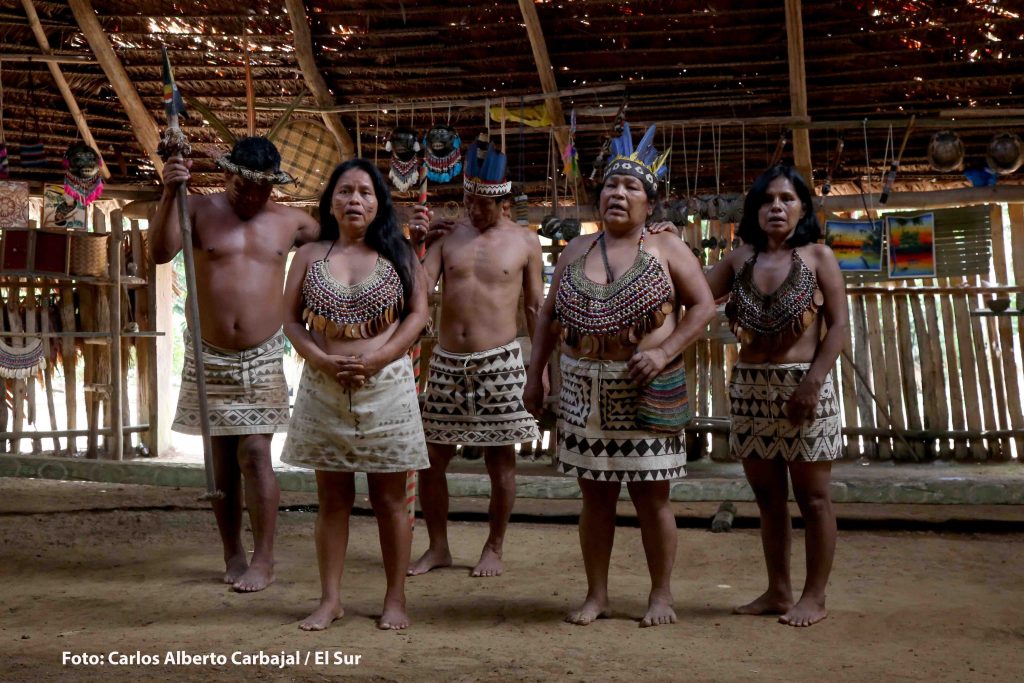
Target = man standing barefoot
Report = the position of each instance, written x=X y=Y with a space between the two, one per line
x=474 y=394
x=241 y=241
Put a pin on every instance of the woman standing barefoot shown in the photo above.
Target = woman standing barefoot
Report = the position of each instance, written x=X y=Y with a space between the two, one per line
x=356 y=301
x=785 y=289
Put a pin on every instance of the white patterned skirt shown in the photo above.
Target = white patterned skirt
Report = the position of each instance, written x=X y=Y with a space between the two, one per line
x=375 y=428
x=758 y=394
x=477 y=398
x=246 y=391
x=598 y=435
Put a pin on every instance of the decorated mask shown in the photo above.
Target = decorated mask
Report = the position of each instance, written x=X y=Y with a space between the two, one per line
x=403 y=146
x=442 y=153
x=82 y=179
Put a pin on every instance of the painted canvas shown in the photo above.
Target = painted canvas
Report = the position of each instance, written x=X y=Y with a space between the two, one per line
x=911 y=245
x=13 y=204
x=62 y=211
x=856 y=244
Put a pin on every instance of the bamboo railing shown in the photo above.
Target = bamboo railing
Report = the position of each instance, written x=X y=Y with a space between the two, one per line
x=929 y=373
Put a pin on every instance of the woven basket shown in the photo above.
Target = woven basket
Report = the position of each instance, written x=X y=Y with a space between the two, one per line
x=89 y=254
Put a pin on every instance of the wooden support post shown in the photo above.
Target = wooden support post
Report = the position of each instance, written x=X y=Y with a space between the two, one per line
x=798 y=87
x=69 y=363
x=115 y=447
x=161 y=301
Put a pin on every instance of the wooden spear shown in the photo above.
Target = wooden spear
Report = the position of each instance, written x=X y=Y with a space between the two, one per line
x=174 y=143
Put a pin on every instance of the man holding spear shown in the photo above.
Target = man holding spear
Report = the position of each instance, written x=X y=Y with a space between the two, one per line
x=240 y=240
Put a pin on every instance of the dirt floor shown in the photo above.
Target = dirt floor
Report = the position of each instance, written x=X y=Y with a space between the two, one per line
x=92 y=569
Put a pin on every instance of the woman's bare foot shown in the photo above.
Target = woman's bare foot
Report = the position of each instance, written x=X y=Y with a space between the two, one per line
x=490 y=563
x=322 y=616
x=806 y=612
x=769 y=602
x=590 y=610
x=394 y=617
x=234 y=567
x=659 y=611
x=432 y=559
x=258 y=576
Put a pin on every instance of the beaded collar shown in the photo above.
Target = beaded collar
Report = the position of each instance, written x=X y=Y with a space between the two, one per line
x=358 y=311
x=625 y=309
x=778 y=319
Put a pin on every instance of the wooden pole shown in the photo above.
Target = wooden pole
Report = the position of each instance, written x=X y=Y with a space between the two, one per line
x=545 y=71
x=939 y=199
x=303 y=41
x=798 y=86
x=115 y=445
x=143 y=125
x=62 y=83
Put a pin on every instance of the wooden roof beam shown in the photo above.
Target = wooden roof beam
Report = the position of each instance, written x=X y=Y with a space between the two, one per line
x=314 y=80
x=798 y=88
x=62 y=84
x=547 y=75
x=146 y=130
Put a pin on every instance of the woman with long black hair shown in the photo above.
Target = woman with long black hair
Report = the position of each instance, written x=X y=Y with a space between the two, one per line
x=355 y=302
x=787 y=306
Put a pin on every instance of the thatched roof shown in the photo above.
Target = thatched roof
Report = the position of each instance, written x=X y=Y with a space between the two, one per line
x=706 y=67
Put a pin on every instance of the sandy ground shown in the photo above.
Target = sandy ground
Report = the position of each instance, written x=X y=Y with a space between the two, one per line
x=98 y=568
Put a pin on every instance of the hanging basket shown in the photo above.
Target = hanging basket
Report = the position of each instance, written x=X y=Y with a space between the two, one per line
x=89 y=254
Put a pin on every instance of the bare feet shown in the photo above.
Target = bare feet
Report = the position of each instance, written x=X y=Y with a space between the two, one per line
x=322 y=616
x=234 y=567
x=393 y=618
x=659 y=611
x=432 y=559
x=768 y=602
x=258 y=576
x=490 y=563
x=806 y=612
x=590 y=610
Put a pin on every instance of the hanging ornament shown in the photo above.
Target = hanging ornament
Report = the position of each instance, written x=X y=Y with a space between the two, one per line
x=945 y=151
x=405 y=167
x=570 y=159
x=442 y=153
x=1005 y=153
x=82 y=179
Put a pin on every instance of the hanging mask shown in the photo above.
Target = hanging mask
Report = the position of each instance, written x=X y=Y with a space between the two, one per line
x=82 y=179
x=403 y=146
x=1005 y=153
x=945 y=151
x=442 y=153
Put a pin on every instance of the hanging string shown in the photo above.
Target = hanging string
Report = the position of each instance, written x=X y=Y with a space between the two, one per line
x=522 y=145
x=359 y=139
x=889 y=145
x=867 y=156
x=696 y=168
x=716 y=152
x=553 y=155
x=504 y=111
x=2 y=136
x=743 y=156
x=668 y=171
x=686 y=163
x=448 y=120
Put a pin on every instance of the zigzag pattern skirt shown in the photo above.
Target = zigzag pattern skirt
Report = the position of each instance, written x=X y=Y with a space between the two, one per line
x=477 y=398
x=758 y=394
x=598 y=435
x=245 y=390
